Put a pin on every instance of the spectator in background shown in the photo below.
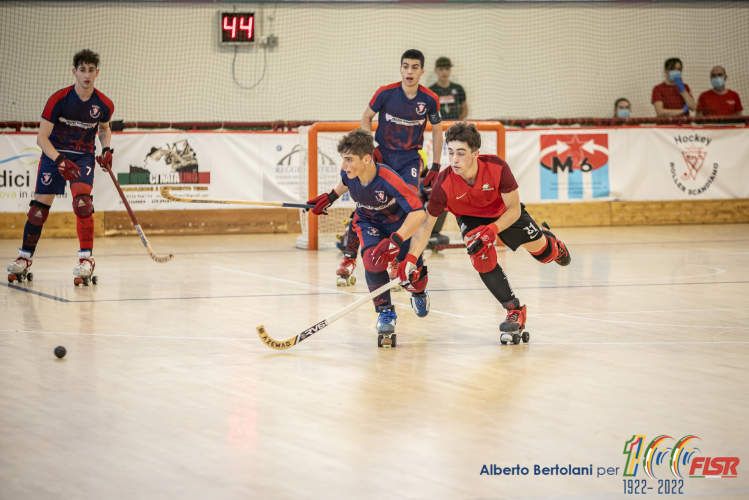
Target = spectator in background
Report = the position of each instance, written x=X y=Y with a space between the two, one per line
x=453 y=104
x=621 y=108
x=719 y=101
x=673 y=97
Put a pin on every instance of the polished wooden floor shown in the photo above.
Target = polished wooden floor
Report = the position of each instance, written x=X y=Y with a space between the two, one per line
x=167 y=392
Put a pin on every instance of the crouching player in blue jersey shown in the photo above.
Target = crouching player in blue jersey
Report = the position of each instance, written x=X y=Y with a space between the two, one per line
x=388 y=213
x=66 y=136
x=404 y=108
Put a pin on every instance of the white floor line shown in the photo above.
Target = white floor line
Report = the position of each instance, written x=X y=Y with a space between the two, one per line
x=164 y=337
x=706 y=327
x=342 y=292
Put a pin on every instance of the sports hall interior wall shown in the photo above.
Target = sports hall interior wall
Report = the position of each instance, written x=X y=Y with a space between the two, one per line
x=162 y=61
x=255 y=221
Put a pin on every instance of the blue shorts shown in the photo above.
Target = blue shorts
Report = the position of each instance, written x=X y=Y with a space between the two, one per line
x=406 y=163
x=50 y=181
x=371 y=234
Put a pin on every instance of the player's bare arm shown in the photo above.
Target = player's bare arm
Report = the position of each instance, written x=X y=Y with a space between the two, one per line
x=421 y=237
x=105 y=135
x=366 y=119
x=341 y=189
x=661 y=111
x=42 y=139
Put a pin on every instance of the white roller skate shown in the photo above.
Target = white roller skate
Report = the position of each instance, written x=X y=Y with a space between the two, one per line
x=513 y=327
x=345 y=272
x=386 y=326
x=84 y=271
x=18 y=270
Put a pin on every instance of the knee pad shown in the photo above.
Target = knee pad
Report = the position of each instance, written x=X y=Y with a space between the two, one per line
x=420 y=284
x=369 y=264
x=549 y=252
x=83 y=206
x=485 y=261
x=38 y=213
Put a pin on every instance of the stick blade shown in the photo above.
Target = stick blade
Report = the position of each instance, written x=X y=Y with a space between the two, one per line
x=160 y=260
x=274 y=344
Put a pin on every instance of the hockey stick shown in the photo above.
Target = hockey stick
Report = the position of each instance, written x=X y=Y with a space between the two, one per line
x=165 y=194
x=286 y=344
x=154 y=257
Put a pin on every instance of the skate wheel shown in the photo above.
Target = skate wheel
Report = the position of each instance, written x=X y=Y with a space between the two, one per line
x=503 y=342
x=12 y=278
x=95 y=280
x=352 y=280
x=394 y=341
x=516 y=338
x=30 y=276
x=526 y=337
x=386 y=340
x=77 y=281
x=340 y=281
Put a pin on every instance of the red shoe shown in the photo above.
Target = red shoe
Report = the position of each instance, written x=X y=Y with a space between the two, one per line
x=345 y=272
x=515 y=320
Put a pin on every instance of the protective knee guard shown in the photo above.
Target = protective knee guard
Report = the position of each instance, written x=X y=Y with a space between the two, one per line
x=83 y=205
x=485 y=261
x=420 y=284
x=549 y=252
x=369 y=264
x=38 y=213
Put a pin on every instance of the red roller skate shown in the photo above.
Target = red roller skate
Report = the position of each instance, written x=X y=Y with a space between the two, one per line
x=513 y=327
x=345 y=272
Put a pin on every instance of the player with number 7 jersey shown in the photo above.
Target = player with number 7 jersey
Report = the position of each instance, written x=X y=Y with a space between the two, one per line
x=70 y=121
x=482 y=193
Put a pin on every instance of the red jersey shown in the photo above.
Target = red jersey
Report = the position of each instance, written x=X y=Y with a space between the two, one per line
x=483 y=199
x=714 y=104
x=669 y=95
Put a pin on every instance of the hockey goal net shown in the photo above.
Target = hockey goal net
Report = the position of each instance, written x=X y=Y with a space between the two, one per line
x=320 y=172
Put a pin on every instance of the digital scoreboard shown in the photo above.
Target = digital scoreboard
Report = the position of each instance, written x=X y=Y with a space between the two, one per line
x=237 y=28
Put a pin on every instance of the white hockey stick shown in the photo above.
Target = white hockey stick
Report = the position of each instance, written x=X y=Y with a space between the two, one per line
x=169 y=196
x=154 y=257
x=287 y=344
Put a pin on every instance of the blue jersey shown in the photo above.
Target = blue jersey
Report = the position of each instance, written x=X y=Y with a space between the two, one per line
x=402 y=121
x=385 y=200
x=75 y=121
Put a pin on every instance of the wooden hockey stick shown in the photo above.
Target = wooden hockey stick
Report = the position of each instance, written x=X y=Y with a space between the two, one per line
x=154 y=257
x=287 y=344
x=165 y=194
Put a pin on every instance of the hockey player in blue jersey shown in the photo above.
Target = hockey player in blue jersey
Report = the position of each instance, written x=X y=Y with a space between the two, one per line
x=388 y=212
x=404 y=108
x=66 y=136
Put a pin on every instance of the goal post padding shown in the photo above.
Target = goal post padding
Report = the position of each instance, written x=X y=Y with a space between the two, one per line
x=320 y=172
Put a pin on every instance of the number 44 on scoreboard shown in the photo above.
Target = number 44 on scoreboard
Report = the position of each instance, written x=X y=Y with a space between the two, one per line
x=237 y=28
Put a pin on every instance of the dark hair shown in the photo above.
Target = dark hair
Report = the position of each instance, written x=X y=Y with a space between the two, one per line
x=86 y=56
x=413 y=54
x=358 y=142
x=464 y=132
x=670 y=63
x=616 y=103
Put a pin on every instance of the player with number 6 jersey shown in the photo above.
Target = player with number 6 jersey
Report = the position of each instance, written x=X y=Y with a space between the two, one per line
x=68 y=127
x=482 y=193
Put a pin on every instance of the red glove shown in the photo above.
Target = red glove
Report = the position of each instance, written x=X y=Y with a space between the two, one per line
x=407 y=270
x=322 y=202
x=105 y=160
x=387 y=250
x=68 y=169
x=432 y=174
x=480 y=239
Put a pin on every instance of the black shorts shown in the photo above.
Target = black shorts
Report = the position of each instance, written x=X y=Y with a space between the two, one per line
x=522 y=231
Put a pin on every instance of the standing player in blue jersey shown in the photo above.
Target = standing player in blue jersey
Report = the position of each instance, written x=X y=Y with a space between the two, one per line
x=388 y=212
x=404 y=108
x=66 y=136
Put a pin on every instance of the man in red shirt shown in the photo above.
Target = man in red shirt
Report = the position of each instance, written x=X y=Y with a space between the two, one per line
x=673 y=97
x=719 y=101
x=482 y=193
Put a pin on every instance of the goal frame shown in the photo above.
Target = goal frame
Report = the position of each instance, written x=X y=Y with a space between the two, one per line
x=312 y=166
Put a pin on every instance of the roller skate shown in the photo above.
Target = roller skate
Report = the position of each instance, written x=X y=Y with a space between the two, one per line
x=345 y=272
x=420 y=303
x=437 y=242
x=563 y=255
x=513 y=327
x=84 y=271
x=18 y=270
x=386 y=326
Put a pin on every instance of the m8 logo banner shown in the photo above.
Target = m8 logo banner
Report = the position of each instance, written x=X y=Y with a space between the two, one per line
x=574 y=166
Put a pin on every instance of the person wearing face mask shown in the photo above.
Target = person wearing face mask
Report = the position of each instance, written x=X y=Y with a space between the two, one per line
x=621 y=108
x=673 y=97
x=719 y=101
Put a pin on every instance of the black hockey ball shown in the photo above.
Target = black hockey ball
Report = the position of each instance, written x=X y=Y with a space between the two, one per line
x=60 y=351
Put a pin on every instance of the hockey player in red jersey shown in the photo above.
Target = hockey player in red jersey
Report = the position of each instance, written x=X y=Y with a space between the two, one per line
x=482 y=193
